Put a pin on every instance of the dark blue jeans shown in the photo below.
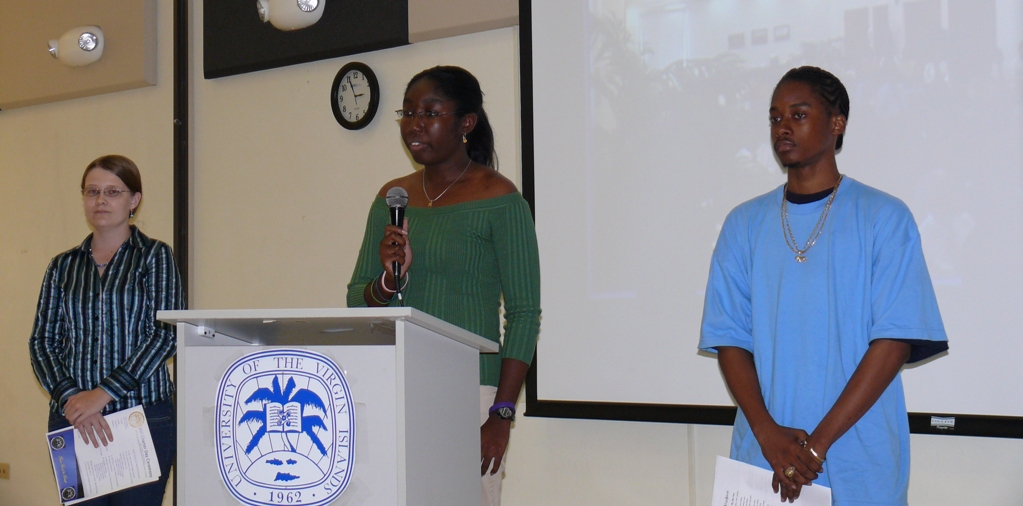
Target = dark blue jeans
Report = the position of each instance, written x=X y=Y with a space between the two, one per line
x=164 y=431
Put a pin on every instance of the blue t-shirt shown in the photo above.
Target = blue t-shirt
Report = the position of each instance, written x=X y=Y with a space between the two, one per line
x=809 y=324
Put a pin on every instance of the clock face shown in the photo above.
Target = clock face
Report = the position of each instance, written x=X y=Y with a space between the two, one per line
x=354 y=96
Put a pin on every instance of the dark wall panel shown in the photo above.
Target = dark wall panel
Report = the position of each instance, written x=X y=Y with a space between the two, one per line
x=235 y=41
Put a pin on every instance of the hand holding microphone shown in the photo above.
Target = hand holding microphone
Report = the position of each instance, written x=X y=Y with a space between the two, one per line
x=395 y=243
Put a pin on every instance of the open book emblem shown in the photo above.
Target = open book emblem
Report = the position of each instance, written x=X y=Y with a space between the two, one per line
x=286 y=428
x=284 y=418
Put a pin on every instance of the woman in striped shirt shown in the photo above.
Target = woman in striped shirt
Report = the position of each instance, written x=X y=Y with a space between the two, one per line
x=96 y=346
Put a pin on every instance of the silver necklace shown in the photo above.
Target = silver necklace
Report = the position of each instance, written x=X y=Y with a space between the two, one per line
x=790 y=238
x=430 y=204
x=99 y=265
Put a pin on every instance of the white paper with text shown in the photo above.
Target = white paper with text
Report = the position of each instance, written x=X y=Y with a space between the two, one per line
x=740 y=484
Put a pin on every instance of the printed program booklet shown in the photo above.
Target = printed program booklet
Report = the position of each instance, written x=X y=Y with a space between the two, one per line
x=84 y=472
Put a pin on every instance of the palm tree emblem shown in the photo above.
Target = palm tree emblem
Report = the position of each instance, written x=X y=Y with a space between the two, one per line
x=282 y=412
x=268 y=402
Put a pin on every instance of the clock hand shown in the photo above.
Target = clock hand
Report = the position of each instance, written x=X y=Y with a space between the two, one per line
x=352 y=86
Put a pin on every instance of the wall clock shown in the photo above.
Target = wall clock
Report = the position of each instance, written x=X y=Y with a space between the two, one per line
x=355 y=95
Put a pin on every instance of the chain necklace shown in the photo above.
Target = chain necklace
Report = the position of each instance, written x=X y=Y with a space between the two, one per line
x=430 y=204
x=99 y=265
x=790 y=238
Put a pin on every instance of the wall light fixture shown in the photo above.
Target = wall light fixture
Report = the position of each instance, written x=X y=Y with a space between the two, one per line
x=290 y=14
x=78 y=46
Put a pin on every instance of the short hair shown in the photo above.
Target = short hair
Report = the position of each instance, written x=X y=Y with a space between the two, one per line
x=826 y=86
x=462 y=88
x=120 y=166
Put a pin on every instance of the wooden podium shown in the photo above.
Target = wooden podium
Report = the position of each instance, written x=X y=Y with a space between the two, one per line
x=412 y=381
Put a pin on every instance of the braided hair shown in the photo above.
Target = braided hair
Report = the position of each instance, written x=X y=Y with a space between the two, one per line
x=826 y=86
x=461 y=87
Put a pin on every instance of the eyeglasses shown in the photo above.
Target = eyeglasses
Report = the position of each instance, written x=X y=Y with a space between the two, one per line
x=110 y=193
x=422 y=115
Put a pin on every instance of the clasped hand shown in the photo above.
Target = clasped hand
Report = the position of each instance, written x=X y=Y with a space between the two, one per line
x=782 y=448
x=84 y=411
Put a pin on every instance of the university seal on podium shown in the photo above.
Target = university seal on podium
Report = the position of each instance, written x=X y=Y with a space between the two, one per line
x=285 y=428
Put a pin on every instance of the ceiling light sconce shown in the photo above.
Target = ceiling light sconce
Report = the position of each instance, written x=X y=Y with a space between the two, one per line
x=290 y=15
x=78 y=46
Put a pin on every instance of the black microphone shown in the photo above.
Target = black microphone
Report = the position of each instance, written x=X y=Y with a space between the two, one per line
x=397 y=199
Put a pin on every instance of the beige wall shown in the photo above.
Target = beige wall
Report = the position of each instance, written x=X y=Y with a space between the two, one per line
x=280 y=195
x=435 y=19
x=281 y=191
x=43 y=151
x=30 y=76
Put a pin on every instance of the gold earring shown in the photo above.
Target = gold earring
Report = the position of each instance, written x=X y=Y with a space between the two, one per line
x=464 y=140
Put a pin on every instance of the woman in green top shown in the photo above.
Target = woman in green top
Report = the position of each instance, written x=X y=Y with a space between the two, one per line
x=474 y=242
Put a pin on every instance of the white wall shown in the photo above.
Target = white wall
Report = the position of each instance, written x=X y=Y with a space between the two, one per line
x=577 y=462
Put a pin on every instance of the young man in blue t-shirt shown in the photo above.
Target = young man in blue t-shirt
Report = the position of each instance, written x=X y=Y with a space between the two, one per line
x=818 y=294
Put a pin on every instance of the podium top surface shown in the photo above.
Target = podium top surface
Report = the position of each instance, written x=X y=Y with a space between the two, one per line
x=319 y=325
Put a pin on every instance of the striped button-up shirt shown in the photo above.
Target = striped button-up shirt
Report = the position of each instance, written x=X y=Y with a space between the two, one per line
x=95 y=330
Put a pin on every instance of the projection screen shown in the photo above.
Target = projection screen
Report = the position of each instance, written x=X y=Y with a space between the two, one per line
x=646 y=122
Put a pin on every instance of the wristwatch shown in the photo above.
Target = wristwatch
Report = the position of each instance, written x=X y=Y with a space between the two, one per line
x=504 y=411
